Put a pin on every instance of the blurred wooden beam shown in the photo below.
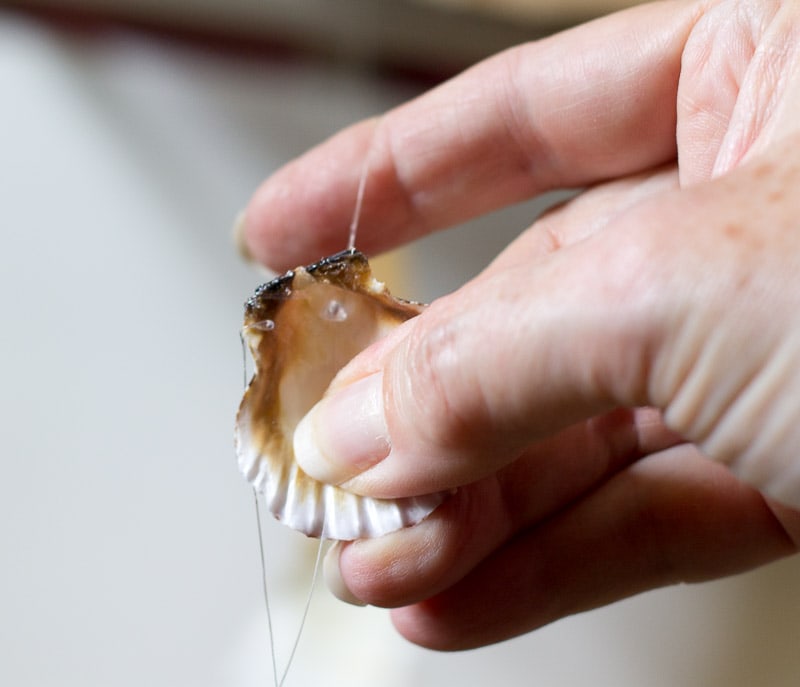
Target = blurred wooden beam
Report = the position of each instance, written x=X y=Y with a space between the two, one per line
x=537 y=12
x=424 y=36
x=398 y=32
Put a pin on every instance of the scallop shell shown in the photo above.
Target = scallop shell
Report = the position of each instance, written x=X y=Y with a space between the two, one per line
x=302 y=328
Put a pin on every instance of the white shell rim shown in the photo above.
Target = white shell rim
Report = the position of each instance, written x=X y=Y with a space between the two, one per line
x=332 y=512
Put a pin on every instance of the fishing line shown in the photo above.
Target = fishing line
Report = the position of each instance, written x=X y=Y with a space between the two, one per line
x=351 y=244
x=362 y=183
x=268 y=325
x=265 y=326
x=314 y=576
x=262 y=557
x=266 y=595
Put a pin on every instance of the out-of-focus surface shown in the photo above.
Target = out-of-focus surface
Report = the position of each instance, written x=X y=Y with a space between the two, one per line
x=537 y=11
x=127 y=535
x=439 y=35
x=416 y=35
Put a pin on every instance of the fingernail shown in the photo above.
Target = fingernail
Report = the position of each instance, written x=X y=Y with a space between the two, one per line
x=344 y=434
x=239 y=227
x=333 y=577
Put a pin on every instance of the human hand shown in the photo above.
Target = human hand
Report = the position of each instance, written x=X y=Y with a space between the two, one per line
x=575 y=391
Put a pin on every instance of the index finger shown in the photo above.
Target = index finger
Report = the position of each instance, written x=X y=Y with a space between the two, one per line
x=591 y=103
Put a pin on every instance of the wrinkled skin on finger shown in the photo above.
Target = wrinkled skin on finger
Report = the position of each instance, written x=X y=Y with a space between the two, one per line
x=505 y=130
x=669 y=284
x=531 y=542
x=672 y=517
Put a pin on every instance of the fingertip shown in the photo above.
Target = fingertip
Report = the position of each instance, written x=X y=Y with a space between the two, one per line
x=427 y=625
x=409 y=622
x=326 y=452
x=239 y=240
x=333 y=577
x=270 y=230
x=249 y=249
x=303 y=211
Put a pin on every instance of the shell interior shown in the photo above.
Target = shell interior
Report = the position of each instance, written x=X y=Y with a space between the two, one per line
x=302 y=328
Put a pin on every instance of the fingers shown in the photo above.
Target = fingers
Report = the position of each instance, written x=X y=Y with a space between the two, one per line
x=362 y=389
x=674 y=517
x=591 y=103
x=459 y=392
x=736 y=95
x=412 y=564
x=583 y=216
x=663 y=307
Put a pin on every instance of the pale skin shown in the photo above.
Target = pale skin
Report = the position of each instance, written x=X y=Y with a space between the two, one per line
x=616 y=398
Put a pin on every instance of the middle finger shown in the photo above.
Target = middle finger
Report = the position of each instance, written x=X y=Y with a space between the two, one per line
x=410 y=565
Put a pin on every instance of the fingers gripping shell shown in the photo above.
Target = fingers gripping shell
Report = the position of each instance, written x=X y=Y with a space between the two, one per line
x=302 y=328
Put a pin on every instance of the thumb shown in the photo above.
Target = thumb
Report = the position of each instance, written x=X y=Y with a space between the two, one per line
x=460 y=390
x=686 y=302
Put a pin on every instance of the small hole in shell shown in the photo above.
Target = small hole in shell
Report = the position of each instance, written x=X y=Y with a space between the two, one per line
x=334 y=311
x=263 y=325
